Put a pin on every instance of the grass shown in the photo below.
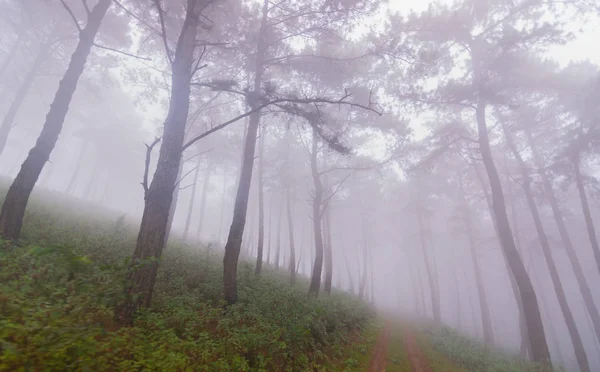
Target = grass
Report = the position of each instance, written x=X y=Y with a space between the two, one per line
x=470 y=354
x=58 y=288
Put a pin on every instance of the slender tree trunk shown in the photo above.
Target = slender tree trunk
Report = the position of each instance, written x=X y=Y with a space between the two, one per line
x=174 y=200
x=556 y=282
x=315 y=282
x=143 y=267
x=459 y=324
x=10 y=56
x=486 y=318
x=513 y=283
x=328 y=252
x=11 y=114
x=531 y=310
x=205 y=186
x=350 y=280
x=223 y=194
x=236 y=231
x=87 y=193
x=435 y=300
x=291 y=233
x=270 y=229
x=566 y=239
x=363 y=276
x=279 y=221
x=585 y=207
x=71 y=187
x=13 y=209
x=188 y=219
x=261 y=203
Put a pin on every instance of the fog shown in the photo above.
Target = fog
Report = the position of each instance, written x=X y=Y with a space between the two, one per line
x=412 y=136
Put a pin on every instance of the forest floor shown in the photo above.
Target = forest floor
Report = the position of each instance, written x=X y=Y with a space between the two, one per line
x=401 y=347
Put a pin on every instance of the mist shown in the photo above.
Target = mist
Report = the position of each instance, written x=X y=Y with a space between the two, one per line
x=437 y=162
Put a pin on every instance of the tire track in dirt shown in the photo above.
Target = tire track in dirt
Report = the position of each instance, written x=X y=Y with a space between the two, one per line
x=379 y=358
x=417 y=360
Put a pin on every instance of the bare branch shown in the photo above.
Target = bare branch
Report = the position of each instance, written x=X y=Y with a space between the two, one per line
x=147 y=164
x=122 y=52
x=341 y=101
x=85 y=5
x=326 y=201
x=163 y=31
x=184 y=176
x=72 y=15
x=134 y=16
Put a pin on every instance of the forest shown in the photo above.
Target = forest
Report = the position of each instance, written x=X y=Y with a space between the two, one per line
x=299 y=185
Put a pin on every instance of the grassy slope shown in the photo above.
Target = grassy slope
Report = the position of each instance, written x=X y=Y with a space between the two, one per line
x=57 y=291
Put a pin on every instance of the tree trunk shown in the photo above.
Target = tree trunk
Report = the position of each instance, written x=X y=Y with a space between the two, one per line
x=362 y=277
x=10 y=56
x=566 y=239
x=350 y=280
x=531 y=310
x=71 y=187
x=278 y=251
x=175 y=198
x=328 y=251
x=315 y=282
x=236 y=231
x=486 y=319
x=188 y=219
x=270 y=229
x=11 y=114
x=585 y=207
x=435 y=301
x=261 y=204
x=291 y=233
x=513 y=283
x=141 y=274
x=223 y=194
x=205 y=186
x=545 y=245
x=13 y=209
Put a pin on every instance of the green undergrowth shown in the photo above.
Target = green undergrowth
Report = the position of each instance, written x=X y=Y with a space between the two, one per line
x=58 y=288
x=471 y=354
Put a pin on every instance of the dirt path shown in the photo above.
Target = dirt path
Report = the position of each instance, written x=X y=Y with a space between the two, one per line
x=417 y=361
x=378 y=360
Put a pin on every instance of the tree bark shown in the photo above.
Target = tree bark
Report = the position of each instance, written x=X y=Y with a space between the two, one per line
x=236 y=231
x=585 y=207
x=435 y=301
x=566 y=239
x=291 y=233
x=270 y=229
x=188 y=219
x=486 y=318
x=223 y=194
x=141 y=274
x=11 y=114
x=531 y=310
x=10 y=56
x=545 y=245
x=261 y=204
x=175 y=198
x=315 y=282
x=328 y=251
x=13 y=209
x=71 y=186
x=205 y=186
x=278 y=251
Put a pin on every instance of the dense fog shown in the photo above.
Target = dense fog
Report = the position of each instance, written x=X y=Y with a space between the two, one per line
x=409 y=133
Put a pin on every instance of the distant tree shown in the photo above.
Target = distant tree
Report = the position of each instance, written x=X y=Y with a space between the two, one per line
x=13 y=209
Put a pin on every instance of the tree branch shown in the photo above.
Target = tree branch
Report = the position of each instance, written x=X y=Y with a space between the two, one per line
x=72 y=15
x=341 y=101
x=163 y=31
x=122 y=52
x=147 y=164
x=85 y=5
